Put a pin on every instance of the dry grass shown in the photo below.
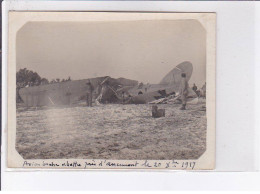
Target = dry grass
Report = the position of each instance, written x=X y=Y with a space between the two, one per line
x=111 y=132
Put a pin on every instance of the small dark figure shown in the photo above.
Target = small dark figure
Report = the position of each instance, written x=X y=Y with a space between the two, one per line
x=194 y=88
x=156 y=113
x=183 y=91
x=89 y=92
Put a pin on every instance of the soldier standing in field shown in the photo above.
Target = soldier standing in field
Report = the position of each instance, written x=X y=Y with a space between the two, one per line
x=194 y=88
x=183 y=91
x=90 y=89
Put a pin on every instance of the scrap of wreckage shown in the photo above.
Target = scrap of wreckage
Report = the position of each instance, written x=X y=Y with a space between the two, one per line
x=110 y=90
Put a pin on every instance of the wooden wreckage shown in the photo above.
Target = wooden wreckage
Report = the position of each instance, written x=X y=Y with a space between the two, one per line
x=109 y=90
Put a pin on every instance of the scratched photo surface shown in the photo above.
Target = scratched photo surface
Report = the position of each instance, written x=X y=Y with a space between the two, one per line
x=119 y=90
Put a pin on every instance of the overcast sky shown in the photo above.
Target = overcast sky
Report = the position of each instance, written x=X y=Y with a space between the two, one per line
x=141 y=50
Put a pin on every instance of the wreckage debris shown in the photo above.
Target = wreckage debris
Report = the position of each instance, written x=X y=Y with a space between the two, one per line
x=172 y=99
x=167 y=100
x=157 y=113
x=111 y=90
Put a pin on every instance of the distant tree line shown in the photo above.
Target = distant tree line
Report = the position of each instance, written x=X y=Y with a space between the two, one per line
x=28 y=78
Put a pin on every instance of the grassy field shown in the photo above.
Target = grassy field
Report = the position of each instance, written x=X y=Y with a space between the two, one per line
x=111 y=132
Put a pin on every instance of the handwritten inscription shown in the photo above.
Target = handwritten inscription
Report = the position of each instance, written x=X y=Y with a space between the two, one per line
x=186 y=165
x=173 y=164
x=31 y=164
x=135 y=164
x=71 y=164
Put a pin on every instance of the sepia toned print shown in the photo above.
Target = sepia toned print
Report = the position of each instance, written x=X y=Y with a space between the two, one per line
x=112 y=90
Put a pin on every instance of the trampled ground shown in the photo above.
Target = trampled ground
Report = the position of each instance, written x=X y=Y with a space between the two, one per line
x=111 y=132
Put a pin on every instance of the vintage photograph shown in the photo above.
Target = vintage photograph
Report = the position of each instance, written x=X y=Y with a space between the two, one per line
x=113 y=89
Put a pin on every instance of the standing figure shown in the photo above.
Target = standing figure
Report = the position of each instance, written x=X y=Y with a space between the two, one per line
x=194 y=88
x=183 y=91
x=90 y=89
